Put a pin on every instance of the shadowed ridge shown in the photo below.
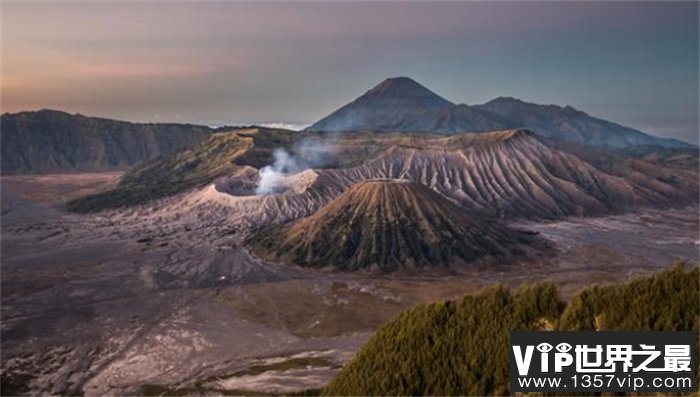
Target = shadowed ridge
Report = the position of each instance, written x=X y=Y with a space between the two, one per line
x=54 y=141
x=569 y=124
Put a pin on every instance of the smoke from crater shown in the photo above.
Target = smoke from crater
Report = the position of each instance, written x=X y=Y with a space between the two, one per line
x=305 y=154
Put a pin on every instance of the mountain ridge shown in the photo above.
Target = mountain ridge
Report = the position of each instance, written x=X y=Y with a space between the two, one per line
x=553 y=120
x=506 y=174
x=53 y=140
x=399 y=114
x=396 y=103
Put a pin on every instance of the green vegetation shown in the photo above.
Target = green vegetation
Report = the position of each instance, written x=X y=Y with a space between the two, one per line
x=460 y=348
x=668 y=301
x=265 y=142
x=221 y=154
x=175 y=173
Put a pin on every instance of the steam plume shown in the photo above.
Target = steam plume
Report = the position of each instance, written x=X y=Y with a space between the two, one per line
x=305 y=154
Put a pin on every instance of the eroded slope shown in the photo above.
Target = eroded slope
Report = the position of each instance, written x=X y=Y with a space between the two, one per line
x=387 y=224
x=515 y=174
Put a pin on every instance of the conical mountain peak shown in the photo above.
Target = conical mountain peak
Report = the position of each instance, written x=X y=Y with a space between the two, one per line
x=404 y=88
x=395 y=104
x=386 y=224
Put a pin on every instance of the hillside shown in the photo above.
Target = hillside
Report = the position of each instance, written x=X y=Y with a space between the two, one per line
x=514 y=174
x=228 y=153
x=51 y=141
x=207 y=160
x=460 y=348
x=463 y=118
x=571 y=125
x=388 y=224
x=505 y=174
x=403 y=105
x=684 y=158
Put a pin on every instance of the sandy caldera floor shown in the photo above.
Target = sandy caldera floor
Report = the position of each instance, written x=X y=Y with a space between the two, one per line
x=105 y=304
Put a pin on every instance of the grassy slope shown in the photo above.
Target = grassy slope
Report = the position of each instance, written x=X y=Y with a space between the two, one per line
x=209 y=159
x=460 y=348
x=219 y=155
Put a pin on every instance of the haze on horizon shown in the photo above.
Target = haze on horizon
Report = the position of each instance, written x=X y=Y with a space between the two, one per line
x=214 y=63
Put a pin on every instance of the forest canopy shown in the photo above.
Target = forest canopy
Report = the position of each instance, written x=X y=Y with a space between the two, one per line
x=461 y=348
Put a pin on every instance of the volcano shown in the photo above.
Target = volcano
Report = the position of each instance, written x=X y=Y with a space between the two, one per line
x=402 y=104
x=387 y=224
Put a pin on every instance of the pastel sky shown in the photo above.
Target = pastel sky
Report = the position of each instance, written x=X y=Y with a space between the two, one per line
x=216 y=63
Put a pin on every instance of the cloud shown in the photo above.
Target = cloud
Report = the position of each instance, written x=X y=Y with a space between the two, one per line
x=133 y=69
x=286 y=126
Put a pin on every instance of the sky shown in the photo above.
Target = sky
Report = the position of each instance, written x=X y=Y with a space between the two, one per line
x=215 y=63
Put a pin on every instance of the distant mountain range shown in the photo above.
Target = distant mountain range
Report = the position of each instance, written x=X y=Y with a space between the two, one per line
x=50 y=140
x=402 y=105
x=55 y=141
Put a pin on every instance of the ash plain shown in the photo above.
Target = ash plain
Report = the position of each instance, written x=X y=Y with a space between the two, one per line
x=151 y=299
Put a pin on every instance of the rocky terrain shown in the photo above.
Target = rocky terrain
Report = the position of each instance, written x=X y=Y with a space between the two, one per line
x=507 y=174
x=164 y=297
x=388 y=224
x=258 y=260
